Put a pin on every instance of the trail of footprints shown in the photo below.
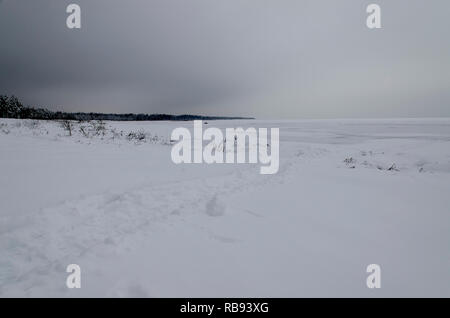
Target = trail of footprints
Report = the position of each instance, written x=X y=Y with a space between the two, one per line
x=98 y=222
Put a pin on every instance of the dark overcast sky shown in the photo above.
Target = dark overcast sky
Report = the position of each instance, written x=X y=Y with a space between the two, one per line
x=263 y=58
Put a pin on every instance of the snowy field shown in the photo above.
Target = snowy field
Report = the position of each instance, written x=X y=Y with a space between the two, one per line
x=348 y=193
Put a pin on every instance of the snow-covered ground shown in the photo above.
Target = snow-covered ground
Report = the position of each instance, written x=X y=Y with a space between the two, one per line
x=349 y=193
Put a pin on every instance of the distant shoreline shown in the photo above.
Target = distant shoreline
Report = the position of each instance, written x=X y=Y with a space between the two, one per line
x=11 y=107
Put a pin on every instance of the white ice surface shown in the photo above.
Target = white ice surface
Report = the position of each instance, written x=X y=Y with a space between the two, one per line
x=141 y=226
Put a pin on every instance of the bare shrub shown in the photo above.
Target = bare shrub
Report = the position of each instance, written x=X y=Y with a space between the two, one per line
x=84 y=132
x=137 y=136
x=98 y=127
x=393 y=167
x=67 y=126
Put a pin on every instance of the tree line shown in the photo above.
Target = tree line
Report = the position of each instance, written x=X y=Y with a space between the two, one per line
x=11 y=107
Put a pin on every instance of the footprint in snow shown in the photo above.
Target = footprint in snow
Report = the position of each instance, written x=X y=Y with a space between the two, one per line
x=215 y=207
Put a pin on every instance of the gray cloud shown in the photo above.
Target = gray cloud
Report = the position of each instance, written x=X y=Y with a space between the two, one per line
x=267 y=58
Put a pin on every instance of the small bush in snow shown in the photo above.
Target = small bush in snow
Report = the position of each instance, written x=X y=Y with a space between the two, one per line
x=136 y=136
x=67 y=125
